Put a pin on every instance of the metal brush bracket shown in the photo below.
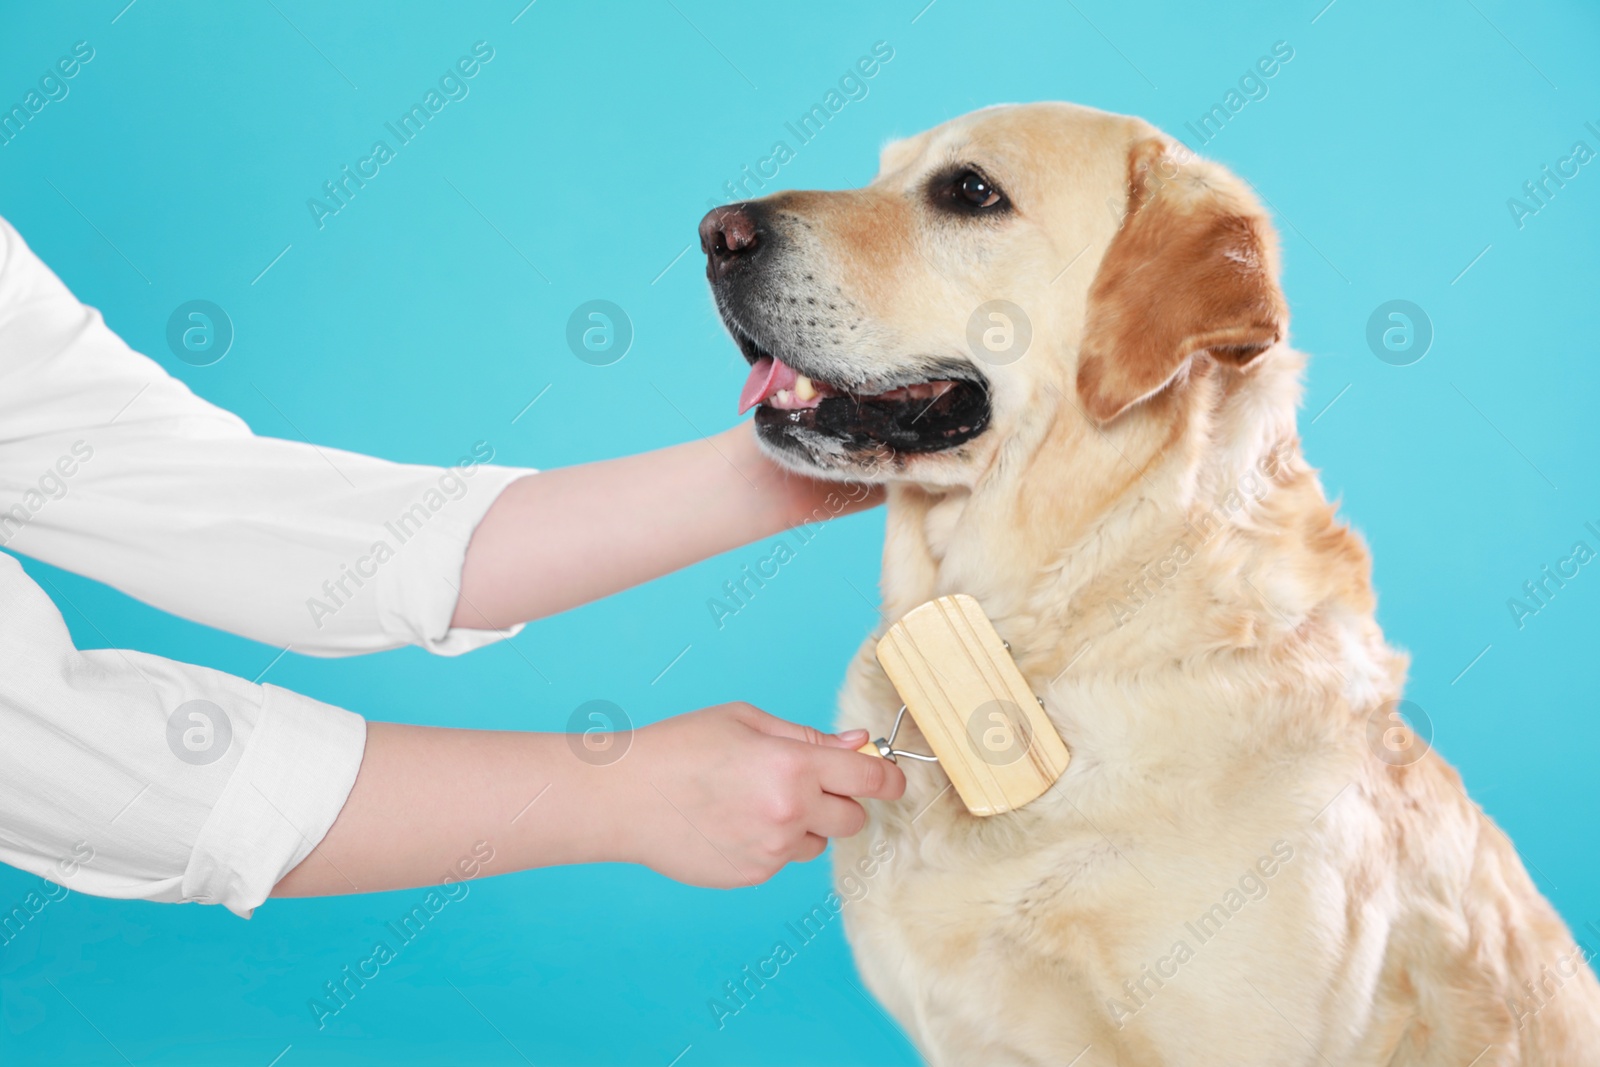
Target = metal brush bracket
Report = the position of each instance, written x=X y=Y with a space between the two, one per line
x=886 y=749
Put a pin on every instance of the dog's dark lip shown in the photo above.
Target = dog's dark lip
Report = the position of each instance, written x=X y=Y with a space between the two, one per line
x=863 y=390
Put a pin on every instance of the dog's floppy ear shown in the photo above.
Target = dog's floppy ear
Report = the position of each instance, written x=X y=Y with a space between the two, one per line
x=1193 y=269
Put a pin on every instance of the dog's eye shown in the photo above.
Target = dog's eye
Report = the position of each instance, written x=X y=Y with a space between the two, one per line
x=976 y=190
x=967 y=191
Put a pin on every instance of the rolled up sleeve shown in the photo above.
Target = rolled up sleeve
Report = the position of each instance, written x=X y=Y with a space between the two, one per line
x=128 y=775
x=112 y=468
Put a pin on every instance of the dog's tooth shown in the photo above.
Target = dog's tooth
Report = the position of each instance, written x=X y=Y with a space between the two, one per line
x=803 y=388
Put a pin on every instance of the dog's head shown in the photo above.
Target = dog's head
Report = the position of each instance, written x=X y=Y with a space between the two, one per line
x=1014 y=259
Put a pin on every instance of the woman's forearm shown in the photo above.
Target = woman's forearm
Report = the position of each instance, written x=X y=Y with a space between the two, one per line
x=427 y=799
x=723 y=797
x=562 y=538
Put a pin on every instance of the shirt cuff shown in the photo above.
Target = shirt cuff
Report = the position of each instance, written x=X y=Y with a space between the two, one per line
x=418 y=592
x=289 y=787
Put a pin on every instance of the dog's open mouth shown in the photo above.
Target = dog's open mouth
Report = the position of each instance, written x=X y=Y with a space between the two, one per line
x=915 y=416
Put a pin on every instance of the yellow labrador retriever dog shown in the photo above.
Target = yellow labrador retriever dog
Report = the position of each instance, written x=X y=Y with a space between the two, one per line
x=1059 y=338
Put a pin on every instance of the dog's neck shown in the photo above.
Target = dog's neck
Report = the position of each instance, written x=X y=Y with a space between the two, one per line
x=1055 y=489
x=1076 y=530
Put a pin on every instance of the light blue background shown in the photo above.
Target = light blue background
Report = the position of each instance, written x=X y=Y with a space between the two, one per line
x=411 y=328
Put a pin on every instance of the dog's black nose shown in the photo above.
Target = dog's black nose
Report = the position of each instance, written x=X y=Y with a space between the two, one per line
x=726 y=233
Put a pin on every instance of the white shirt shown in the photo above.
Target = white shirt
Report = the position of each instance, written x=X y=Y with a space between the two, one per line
x=127 y=775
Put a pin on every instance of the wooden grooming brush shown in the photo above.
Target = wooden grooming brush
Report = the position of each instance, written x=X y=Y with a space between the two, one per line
x=986 y=727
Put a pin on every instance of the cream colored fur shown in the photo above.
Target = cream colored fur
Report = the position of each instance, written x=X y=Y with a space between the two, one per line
x=1227 y=712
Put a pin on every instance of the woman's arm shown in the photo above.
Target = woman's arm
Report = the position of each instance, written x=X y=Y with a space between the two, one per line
x=721 y=797
x=127 y=775
x=555 y=540
x=110 y=467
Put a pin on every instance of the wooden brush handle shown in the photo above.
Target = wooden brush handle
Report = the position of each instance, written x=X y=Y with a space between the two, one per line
x=972 y=705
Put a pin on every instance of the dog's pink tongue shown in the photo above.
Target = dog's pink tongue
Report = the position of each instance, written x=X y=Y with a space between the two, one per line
x=767 y=376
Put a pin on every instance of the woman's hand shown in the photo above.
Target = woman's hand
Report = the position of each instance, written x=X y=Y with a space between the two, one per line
x=720 y=797
x=795 y=498
x=728 y=795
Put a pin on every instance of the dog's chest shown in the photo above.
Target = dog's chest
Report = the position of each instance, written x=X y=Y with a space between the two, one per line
x=1085 y=909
